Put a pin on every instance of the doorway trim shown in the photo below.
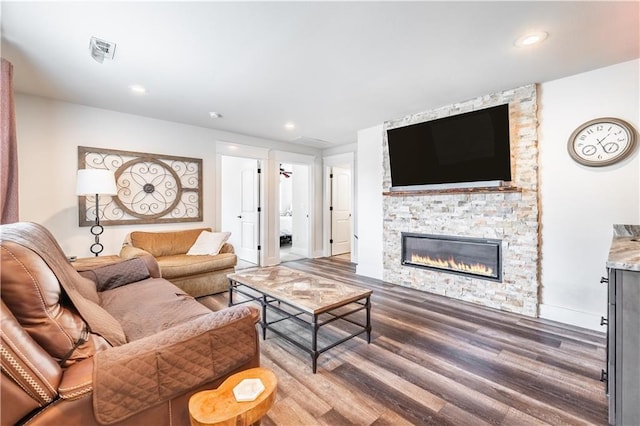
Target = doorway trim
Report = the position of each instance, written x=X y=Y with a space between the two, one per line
x=346 y=159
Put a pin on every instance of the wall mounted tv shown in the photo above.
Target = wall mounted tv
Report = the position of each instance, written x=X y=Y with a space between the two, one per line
x=464 y=150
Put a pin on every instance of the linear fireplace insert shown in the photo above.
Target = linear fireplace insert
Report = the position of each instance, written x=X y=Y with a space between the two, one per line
x=475 y=257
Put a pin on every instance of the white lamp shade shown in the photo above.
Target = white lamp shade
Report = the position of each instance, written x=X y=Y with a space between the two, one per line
x=96 y=181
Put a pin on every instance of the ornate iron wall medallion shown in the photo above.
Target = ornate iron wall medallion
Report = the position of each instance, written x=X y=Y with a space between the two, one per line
x=152 y=188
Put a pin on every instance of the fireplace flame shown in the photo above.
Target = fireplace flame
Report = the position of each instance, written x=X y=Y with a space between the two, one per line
x=451 y=264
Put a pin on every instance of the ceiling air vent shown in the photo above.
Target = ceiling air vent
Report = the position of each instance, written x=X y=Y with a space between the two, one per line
x=312 y=142
x=101 y=49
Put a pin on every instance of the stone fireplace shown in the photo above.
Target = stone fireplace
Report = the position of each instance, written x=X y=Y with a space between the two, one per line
x=508 y=215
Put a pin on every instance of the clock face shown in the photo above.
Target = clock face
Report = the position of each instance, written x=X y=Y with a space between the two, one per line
x=601 y=142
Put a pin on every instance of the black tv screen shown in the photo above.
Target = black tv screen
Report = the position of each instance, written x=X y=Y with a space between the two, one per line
x=464 y=148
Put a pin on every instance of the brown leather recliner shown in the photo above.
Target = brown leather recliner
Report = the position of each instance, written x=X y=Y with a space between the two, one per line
x=103 y=350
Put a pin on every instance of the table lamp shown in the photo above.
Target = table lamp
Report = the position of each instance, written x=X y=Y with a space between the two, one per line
x=96 y=182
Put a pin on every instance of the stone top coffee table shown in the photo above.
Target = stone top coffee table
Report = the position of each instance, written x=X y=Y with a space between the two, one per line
x=310 y=300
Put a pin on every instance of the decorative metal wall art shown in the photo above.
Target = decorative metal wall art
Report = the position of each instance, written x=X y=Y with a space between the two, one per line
x=152 y=188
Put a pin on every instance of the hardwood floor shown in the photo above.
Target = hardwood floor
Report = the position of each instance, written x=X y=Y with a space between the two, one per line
x=437 y=361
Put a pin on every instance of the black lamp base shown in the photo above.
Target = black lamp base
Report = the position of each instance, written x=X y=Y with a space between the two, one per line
x=96 y=247
x=96 y=230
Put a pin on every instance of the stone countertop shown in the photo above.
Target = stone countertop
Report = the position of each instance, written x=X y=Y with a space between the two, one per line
x=625 y=248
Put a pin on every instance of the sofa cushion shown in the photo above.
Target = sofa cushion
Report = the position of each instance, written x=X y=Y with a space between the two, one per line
x=166 y=243
x=184 y=265
x=150 y=306
x=208 y=243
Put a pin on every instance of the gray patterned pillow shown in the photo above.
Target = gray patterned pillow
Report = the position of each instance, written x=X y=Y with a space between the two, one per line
x=118 y=274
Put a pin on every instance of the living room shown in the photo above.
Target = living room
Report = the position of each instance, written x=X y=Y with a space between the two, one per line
x=574 y=210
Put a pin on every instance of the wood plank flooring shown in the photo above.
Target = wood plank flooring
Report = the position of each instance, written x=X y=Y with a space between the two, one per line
x=437 y=361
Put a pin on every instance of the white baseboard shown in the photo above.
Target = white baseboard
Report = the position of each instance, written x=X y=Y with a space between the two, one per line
x=571 y=316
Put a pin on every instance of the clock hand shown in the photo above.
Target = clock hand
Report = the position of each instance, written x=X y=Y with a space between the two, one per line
x=600 y=140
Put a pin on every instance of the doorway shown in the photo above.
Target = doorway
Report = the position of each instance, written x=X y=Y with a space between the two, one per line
x=240 y=196
x=294 y=212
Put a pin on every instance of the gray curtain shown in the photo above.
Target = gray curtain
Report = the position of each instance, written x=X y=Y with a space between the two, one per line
x=8 y=148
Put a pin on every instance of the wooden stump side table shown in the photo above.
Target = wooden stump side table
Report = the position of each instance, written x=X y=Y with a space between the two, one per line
x=219 y=406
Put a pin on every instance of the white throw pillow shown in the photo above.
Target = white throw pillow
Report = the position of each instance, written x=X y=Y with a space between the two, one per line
x=208 y=243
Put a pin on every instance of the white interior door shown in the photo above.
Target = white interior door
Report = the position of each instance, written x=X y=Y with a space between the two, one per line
x=249 y=230
x=341 y=210
x=240 y=202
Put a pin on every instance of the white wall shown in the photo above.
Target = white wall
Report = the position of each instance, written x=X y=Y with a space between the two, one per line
x=340 y=149
x=49 y=133
x=369 y=202
x=580 y=204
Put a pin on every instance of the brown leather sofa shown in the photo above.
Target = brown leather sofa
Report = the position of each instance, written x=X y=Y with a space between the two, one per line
x=98 y=349
x=197 y=275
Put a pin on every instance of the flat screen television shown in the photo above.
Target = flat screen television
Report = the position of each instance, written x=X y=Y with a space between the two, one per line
x=469 y=149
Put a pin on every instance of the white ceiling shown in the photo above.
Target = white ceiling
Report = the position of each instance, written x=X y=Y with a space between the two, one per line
x=332 y=68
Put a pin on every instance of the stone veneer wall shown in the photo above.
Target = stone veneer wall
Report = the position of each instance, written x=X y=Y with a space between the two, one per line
x=509 y=216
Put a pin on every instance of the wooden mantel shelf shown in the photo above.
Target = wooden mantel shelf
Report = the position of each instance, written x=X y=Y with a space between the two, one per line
x=478 y=190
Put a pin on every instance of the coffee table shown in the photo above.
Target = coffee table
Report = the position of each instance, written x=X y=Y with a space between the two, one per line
x=310 y=300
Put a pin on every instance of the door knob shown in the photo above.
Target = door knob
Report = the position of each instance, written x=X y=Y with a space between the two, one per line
x=239 y=216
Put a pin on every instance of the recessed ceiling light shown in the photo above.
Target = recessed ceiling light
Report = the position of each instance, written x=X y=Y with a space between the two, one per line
x=138 y=89
x=289 y=126
x=214 y=114
x=531 y=39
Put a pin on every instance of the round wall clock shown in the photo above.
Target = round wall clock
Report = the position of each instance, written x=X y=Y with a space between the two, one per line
x=602 y=142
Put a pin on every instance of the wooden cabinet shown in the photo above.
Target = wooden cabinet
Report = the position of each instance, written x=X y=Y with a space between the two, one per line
x=623 y=347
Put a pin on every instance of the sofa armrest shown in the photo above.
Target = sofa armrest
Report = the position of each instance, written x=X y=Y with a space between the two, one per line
x=227 y=248
x=133 y=377
x=77 y=380
x=129 y=252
